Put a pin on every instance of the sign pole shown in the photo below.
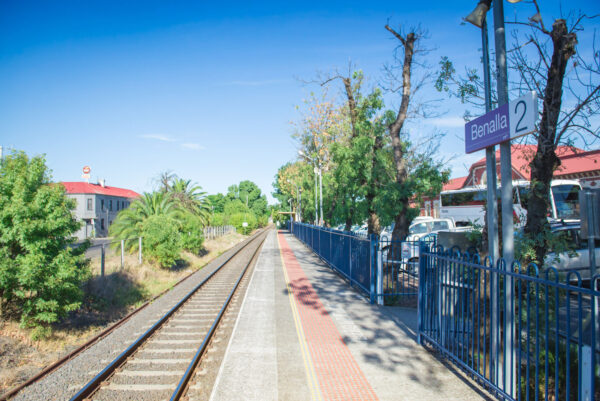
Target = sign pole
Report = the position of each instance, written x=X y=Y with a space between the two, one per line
x=510 y=373
x=492 y=205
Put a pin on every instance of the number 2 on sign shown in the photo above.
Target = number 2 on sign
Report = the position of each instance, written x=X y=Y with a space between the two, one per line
x=518 y=128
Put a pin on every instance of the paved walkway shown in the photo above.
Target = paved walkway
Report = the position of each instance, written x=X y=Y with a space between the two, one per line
x=304 y=334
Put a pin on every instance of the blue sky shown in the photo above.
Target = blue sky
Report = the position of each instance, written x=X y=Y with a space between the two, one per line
x=204 y=90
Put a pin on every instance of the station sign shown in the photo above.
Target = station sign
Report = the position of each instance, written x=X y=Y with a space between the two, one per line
x=509 y=121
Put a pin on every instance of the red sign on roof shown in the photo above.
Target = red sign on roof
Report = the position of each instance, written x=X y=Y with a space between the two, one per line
x=85 y=188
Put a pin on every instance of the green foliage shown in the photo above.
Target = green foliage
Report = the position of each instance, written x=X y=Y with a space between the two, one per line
x=40 y=274
x=129 y=223
x=162 y=239
x=217 y=203
x=525 y=246
x=189 y=197
x=182 y=203
x=238 y=219
x=218 y=219
x=192 y=235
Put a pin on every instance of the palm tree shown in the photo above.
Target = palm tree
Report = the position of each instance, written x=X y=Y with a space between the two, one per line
x=129 y=222
x=189 y=197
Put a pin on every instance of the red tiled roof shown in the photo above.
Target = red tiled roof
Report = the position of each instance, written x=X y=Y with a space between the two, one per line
x=521 y=156
x=579 y=163
x=455 y=183
x=85 y=188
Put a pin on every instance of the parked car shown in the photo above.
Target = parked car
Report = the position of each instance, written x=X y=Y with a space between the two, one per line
x=579 y=260
x=420 y=228
x=405 y=256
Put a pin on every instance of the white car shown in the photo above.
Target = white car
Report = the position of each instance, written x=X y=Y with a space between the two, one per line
x=579 y=261
x=421 y=228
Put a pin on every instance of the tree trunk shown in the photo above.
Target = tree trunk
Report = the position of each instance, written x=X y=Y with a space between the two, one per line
x=545 y=161
x=402 y=219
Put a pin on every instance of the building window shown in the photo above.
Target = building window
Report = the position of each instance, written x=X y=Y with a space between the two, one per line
x=110 y=205
x=117 y=205
x=102 y=224
x=102 y=204
x=89 y=204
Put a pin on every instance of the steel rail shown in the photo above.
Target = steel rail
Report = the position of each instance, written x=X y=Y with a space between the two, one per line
x=93 y=384
x=55 y=365
x=189 y=372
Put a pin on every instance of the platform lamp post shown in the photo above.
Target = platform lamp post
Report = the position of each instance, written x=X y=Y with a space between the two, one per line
x=508 y=234
x=316 y=171
x=508 y=372
x=299 y=200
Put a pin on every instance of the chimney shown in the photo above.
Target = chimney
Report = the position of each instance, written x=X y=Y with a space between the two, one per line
x=102 y=182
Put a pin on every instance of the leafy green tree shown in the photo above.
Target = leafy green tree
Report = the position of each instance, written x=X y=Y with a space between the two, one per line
x=162 y=238
x=40 y=274
x=217 y=203
x=250 y=195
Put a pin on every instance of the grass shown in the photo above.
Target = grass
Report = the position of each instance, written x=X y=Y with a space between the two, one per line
x=107 y=299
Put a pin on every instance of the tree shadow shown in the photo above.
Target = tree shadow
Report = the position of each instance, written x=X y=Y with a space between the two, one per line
x=388 y=333
x=106 y=299
x=180 y=264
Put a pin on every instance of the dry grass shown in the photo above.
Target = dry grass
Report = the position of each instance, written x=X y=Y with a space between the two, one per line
x=108 y=299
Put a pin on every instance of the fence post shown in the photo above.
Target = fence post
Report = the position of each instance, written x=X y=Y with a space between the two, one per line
x=374 y=267
x=422 y=275
x=122 y=253
x=102 y=260
x=379 y=273
x=140 y=250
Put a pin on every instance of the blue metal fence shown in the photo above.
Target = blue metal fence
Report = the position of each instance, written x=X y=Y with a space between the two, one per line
x=397 y=273
x=348 y=254
x=528 y=335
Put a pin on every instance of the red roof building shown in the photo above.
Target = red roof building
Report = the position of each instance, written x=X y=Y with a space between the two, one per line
x=97 y=206
x=98 y=189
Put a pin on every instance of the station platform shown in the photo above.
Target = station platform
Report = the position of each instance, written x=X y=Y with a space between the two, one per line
x=304 y=334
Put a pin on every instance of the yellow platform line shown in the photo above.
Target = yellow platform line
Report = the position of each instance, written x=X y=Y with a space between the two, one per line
x=311 y=377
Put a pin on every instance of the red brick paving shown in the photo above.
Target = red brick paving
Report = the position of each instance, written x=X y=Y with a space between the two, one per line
x=339 y=376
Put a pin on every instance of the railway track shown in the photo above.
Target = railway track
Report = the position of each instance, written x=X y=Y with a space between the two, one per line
x=163 y=360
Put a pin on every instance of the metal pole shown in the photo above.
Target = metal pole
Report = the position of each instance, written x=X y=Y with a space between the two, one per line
x=140 y=250
x=321 y=193
x=492 y=206
x=102 y=259
x=592 y=234
x=316 y=200
x=300 y=202
x=122 y=253
x=490 y=156
x=298 y=205
x=509 y=371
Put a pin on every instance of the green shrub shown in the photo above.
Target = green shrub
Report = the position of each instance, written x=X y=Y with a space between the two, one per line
x=263 y=220
x=218 y=219
x=192 y=235
x=238 y=219
x=162 y=240
x=40 y=274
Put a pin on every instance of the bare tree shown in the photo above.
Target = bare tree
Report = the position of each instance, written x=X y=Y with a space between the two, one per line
x=547 y=62
x=408 y=48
